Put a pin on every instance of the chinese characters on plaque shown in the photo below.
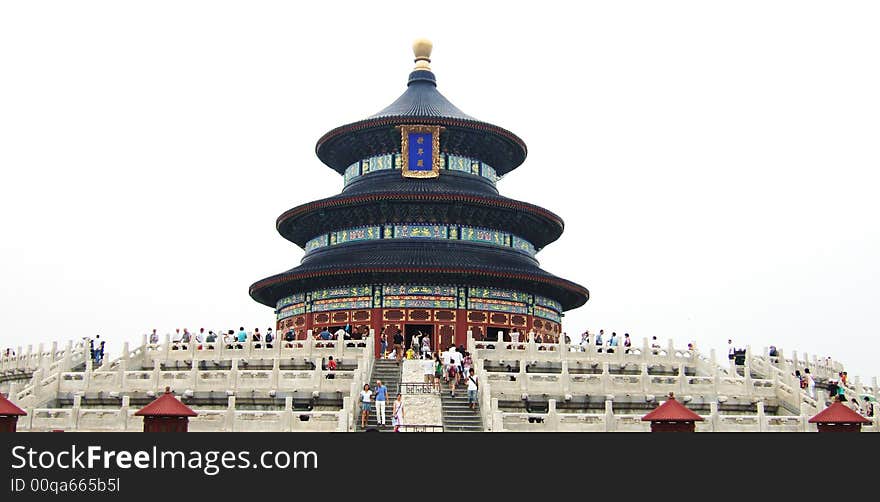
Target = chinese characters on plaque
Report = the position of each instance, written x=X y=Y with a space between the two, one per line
x=420 y=148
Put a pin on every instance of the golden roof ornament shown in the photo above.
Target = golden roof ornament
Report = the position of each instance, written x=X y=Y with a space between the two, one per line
x=422 y=50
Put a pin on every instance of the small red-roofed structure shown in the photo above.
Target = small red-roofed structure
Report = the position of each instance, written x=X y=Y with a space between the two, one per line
x=166 y=414
x=672 y=416
x=9 y=414
x=839 y=418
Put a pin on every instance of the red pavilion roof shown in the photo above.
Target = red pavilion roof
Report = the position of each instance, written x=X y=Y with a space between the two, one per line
x=672 y=411
x=838 y=413
x=166 y=405
x=8 y=408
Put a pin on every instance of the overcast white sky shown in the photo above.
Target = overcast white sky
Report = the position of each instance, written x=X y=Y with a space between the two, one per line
x=715 y=162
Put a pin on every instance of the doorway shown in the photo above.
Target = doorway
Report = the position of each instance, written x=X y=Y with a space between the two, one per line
x=412 y=330
x=496 y=334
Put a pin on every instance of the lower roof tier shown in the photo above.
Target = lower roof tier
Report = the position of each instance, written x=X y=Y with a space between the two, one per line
x=447 y=263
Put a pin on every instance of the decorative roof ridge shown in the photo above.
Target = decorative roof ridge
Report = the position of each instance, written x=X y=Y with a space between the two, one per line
x=340 y=201
x=672 y=411
x=287 y=276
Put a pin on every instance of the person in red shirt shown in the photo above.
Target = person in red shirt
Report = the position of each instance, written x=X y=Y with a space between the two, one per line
x=331 y=364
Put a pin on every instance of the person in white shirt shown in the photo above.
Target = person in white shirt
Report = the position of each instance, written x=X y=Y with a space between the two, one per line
x=811 y=384
x=447 y=356
x=472 y=387
x=731 y=352
x=457 y=359
x=514 y=335
x=366 y=394
x=340 y=334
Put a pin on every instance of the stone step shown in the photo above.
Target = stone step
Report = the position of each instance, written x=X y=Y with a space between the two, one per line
x=449 y=421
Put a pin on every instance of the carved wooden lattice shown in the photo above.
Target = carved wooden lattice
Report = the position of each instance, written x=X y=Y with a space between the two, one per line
x=444 y=315
x=393 y=315
x=497 y=318
x=476 y=317
x=419 y=315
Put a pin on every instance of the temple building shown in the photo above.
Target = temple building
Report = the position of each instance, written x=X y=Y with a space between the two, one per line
x=420 y=240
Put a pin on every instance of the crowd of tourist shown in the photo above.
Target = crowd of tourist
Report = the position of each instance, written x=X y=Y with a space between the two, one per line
x=379 y=396
x=453 y=367
x=236 y=339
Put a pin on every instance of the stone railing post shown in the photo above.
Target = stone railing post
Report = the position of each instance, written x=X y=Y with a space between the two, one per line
x=166 y=347
x=605 y=378
x=87 y=376
x=497 y=417
x=646 y=348
x=523 y=376
x=194 y=376
x=230 y=413
x=74 y=412
x=156 y=377
x=276 y=373
x=309 y=344
x=747 y=380
x=670 y=351
x=762 y=418
x=67 y=357
x=288 y=413
x=552 y=422
x=344 y=423
x=233 y=375
x=471 y=346
x=125 y=355
x=37 y=379
x=123 y=412
x=645 y=377
x=565 y=378
x=120 y=375
x=714 y=417
x=610 y=419
x=682 y=380
x=340 y=347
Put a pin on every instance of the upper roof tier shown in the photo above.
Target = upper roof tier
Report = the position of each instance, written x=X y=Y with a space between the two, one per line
x=422 y=103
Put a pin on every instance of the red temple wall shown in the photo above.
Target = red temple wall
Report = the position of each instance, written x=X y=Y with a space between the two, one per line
x=449 y=325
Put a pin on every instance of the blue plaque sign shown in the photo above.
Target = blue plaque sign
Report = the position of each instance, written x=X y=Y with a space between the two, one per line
x=420 y=149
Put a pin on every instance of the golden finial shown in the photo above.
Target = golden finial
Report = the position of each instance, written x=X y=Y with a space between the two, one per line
x=422 y=50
